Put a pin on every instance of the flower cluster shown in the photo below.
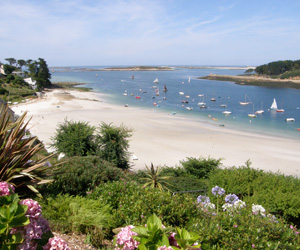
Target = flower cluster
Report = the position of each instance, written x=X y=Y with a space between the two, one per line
x=237 y=205
x=258 y=209
x=6 y=189
x=34 y=209
x=56 y=243
x=203 y=199
x=205 y=203
x=231 y=198
x=165 y=248
x=125 y=240
x=216 y=191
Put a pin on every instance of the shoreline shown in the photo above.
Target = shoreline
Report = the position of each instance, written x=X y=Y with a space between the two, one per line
x=255 y=80
x=159 y=137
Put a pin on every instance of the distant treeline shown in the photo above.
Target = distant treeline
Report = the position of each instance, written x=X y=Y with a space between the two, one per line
x=278 y=67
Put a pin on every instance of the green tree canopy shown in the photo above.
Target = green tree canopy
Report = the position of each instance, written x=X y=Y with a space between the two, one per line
x=39 y=71
x=112 y=144
x=11 y=60
x=74 y=138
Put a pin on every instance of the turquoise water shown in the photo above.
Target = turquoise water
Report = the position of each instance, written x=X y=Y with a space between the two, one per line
x=115 y=83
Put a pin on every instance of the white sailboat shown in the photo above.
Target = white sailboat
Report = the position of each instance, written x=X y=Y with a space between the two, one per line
x=260 y=111
x=245 y=102
x=252 y=115
x=189 y=80
x=156 y=80
x=274 y=105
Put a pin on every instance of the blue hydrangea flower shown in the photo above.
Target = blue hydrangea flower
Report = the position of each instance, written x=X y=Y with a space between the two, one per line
x=203 y=199
x=231 y=198
x=218 y=191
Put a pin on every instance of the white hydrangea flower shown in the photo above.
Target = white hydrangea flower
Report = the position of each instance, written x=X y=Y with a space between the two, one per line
x=258 y=209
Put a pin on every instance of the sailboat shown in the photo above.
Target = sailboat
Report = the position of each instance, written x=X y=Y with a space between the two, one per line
x=156 y=80
x=245 y=102
x=274 y=105
x=252 y=115
x=260 y=111
x=189 y=80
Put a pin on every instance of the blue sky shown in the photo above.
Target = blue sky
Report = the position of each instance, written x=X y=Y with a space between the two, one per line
x=150 y=32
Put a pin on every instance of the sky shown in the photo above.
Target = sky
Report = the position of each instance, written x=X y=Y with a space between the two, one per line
x=150 y=32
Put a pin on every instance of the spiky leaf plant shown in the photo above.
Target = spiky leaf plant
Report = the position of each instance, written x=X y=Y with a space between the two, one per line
x=154 y=178
x=16 y=153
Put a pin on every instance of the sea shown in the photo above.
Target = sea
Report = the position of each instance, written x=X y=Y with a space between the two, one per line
x=185 y=91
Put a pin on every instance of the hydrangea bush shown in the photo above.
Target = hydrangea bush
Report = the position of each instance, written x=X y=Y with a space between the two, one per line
x=234 y=225
x=22 y=225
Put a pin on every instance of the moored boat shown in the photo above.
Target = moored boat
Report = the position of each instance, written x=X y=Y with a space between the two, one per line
x=181 y=93
x=290 y=119
x=226 y=112
x=274 y=105
x=156 y=80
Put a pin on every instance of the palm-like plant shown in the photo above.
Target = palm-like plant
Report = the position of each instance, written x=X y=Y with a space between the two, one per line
x=16 y=153
x=154 y=178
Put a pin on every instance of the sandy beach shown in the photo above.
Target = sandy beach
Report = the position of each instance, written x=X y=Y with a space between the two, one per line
x=159 y=137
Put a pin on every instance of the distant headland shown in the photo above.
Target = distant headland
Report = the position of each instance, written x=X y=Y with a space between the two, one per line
x=129 y=68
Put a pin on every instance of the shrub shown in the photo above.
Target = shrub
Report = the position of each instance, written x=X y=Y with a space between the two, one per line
x=3 y=91
x=81 y=174
x=74 y=138
x=132 y=202
x=76 y=213
x=112 y=143
x=276 y=192
x=200 y=167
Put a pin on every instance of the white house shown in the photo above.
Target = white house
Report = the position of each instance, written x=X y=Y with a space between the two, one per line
x=31 y=82
x=2 y=72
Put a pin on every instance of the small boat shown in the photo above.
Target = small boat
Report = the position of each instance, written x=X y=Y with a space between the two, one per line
x=253 y=115
x=201 y=103
x=245 y=102
x=187 y=96
x=189 y=108
x=132 y=77
x=213 y=99
x=290 y=119
x=226 y=112
x=181 y=93
x=164 y=98
x=280 y=110
x=259 y=112
x=189 y=80
x=203 y=106
x=154 y=87
x=201 y=95
x=126 y=105
x=274 y=105
x=156 y=80
x=298 y=129
x=138 y=97
x=185 y=101
x=165 y=88
x=223 y=105
x=124 y=94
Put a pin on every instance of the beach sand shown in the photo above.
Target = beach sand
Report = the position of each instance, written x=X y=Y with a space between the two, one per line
x=160 y=137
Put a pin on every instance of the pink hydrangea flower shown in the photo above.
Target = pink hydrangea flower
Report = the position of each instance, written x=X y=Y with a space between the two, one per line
x=6 y=189
x=125 y=240
x=34 y=209
x=56 y=243
x=165 y=248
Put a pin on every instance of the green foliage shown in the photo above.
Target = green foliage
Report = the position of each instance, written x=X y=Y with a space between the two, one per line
x=74 y=138
x=291 y=73
x=11 y=60
x=200 y=167
x=276 y=192
x=39 y=71
x=152 y=236
x=12 y=215
x=16 y=153
x=187 y=240
x=78 y=175
x=3 y=91
x=132 y=202
x=243 y=230
x=113 y=144
x=8 y=69
x=76 y=214
x=277 y=67
x=154 y=178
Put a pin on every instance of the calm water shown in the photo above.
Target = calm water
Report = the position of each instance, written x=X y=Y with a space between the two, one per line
x=115 y=83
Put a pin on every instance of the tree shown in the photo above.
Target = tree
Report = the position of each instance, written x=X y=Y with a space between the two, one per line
x=39 y=71
x=8 y=69
x=112 y=144
x=74 y=138
x=11 y=61
x=21 y=63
